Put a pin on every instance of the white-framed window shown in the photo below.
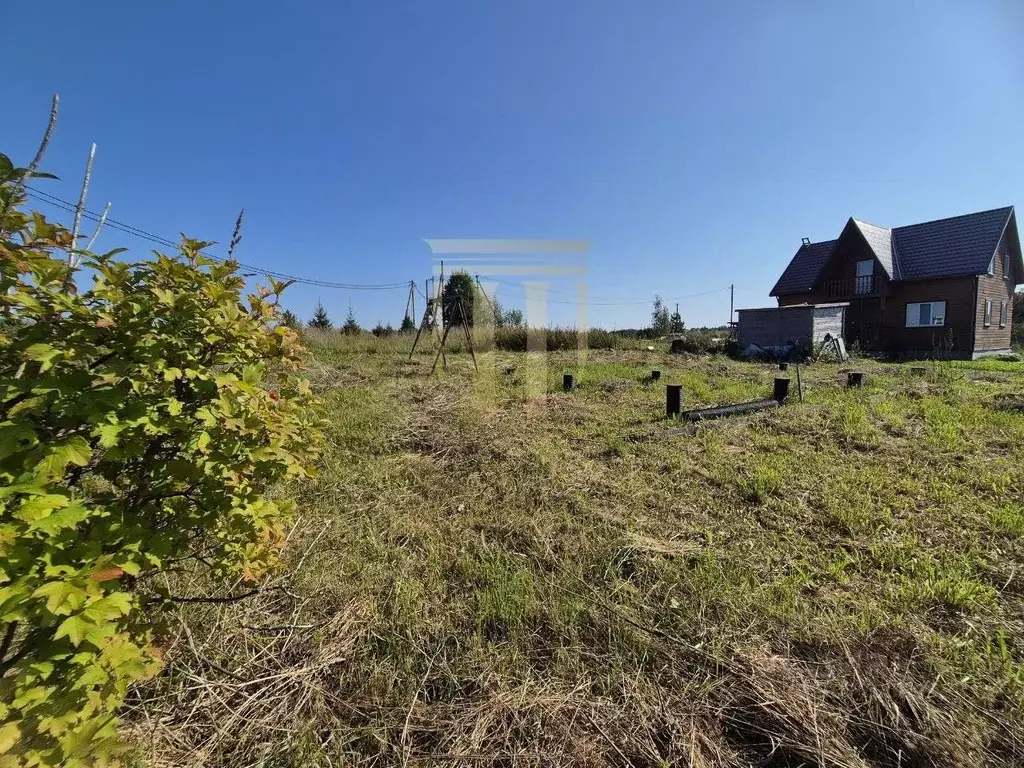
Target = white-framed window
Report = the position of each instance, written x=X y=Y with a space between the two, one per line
x=988 y=312
x=1006 y=266
x=1002 y=314
x=865 y=271
x=926 y=313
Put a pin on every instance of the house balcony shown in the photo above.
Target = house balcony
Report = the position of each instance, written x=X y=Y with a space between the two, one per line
x=851 y=287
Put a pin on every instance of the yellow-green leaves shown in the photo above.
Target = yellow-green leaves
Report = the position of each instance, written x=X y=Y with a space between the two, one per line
x=15 y=437
x=141 y=418
x=9 y=734
x=108 y=434
x=35 y=508
x=74 y=629
x=44 y=354
x=62 y=597
x=57 y=457
x=68 y=517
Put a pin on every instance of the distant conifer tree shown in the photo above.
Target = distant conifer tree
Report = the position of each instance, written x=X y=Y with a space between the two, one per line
x=320 y=319
x=351 y=327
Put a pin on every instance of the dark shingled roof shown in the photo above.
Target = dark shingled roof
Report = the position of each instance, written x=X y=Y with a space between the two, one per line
x=960 y=245
x=799 y=275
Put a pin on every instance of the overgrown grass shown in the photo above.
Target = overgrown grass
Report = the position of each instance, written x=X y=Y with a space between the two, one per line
x=535 y=577
x=507 y=339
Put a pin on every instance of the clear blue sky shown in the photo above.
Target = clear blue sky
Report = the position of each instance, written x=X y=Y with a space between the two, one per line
x=694 y=145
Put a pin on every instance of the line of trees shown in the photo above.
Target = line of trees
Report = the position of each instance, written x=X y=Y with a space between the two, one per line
x=461 y=299
x=663 y=323
x=463 y=296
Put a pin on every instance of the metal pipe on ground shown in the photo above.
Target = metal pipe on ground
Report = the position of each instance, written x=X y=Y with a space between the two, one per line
x=780 y=393
x=702 y=414
x=855 y=379
x=655 y=375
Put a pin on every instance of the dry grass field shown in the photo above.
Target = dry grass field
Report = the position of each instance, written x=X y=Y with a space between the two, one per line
x=491 y=572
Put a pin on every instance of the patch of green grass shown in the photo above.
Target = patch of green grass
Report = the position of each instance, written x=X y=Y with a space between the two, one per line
x=760 y=482
x=502 y=587
x=1008 y=519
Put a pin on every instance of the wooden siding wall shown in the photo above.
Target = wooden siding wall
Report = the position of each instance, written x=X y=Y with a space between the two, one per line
x=955 y=336
x=775 y=327
x=842 y=265
x=807 y=297
x=995 y=288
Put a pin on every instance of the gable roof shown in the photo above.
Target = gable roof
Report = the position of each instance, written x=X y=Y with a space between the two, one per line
x=880 y=241
x=959 y=245
x=803 y=268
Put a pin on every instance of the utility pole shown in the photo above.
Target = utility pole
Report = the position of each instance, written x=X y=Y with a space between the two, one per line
x=410 y=302
x=732 y=291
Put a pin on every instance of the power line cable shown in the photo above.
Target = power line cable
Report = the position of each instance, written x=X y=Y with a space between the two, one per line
x=620 y=303
x=142 y=234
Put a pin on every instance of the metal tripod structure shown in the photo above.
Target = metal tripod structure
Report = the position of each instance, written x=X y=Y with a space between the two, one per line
x=433 y=317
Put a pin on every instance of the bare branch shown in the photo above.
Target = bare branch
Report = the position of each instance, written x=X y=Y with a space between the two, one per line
x=34 y=165
x=72 y=261
x=225 y=599
x=99 y=226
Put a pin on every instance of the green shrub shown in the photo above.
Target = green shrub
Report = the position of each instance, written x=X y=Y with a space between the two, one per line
x=142 y=423
x=702 y=342
x=514 y=339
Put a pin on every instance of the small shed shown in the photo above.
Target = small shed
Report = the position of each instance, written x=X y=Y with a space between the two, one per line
x=800 y=325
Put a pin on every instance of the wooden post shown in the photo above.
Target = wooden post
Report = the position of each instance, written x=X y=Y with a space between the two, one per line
x=568 y=382
x=673 y=400
x=423 y=324
x=781 y=390
x=469 y=336
x=799 y=384
x=655 y=375
x=855 y=379
x=440 y=350
x=783 y=366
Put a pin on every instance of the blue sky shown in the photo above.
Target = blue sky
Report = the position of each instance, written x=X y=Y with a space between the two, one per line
x=694 y=145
